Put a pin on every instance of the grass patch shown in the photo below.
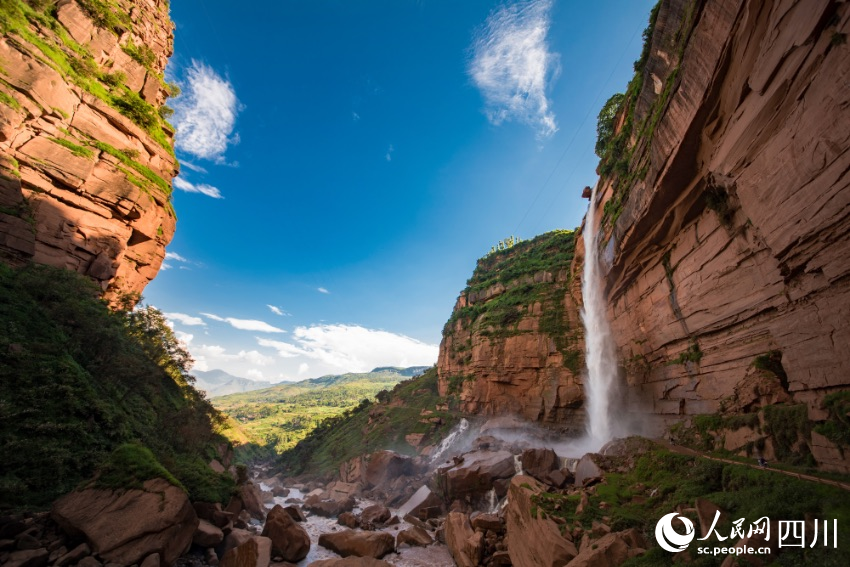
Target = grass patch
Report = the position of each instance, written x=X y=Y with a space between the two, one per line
x=129 y=466
x=9 y=101
x=107 y=14
x=146 y=172
x=77 y=150
x=837 y=427
x=142 y=54
x=789 y=426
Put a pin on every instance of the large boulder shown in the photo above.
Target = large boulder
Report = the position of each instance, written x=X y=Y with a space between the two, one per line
x=252 y=500
x=587 y=468
x=465 y=544
x=256 y=552
x=361 y=544
x=385 y=466
x=610 y=550
x=533 y=541
x=414 y=536
x=125 y=527
x=539 y=463
x=289 y=540
x=351 y=561
x=476 y=473
x=375 y=514
x=329 y=508
x=207 y=535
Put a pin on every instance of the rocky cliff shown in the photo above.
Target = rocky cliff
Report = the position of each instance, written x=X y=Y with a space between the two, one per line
x=87 y=159
x=514 y=341
x=725 y=208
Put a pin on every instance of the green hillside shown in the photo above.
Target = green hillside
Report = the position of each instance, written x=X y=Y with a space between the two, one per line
x=410 y=407
x=79 y=381
x=274 y=419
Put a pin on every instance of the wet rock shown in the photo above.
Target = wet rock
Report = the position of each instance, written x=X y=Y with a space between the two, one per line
x=533 y=541
x=539 y=463
x=475 y=475
x=486 y=522
x=587 y=468
x=280 y=491
x=375 y=514
x=289 y=540
x=212 y=513
x=414 y=536
x=361 y=544
x=124 y=527
x=385 y=466
x=295 y=513
x=252 y=500
x=465 y=544
x=207 y=535
x=27 y=558
x=329 y=508
x=348 y=520
x=74 y=555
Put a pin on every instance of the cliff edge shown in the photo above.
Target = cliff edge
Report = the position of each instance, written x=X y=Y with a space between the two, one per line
x=87 y=159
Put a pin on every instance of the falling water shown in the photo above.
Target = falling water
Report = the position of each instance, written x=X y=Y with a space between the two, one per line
x=600 y=353
x=450 y=440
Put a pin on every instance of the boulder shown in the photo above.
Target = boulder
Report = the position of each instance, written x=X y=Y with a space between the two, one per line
x=375 y=514
x=343 y=490
x=27 y=558
x=351 y=561
x=539 y=463
x=465 y=544
x=207 y=535
x=385 y=466
x=486 y=522
x=587 y=469
x=152 y=560
x=560 y=478
x=475 y=475
x=280 y=491
x=612 y=549
x=361 y=544
x=348 y=520
x=329 y=508
x=252 y=500
x=415 y=537
x=289 y=540
x=212 y=513
x=124 y=527
x=74 y=555
x=533 y=541
x=295 y=513
x=705 y=513
x=256 y=552
x=756 y=540
x=235 y=538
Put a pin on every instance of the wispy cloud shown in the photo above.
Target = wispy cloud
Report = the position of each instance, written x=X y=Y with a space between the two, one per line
x=192 y=166
x=185 y=319
x=215 y=356
x=201 y=188
x=322 y=290
x=278 y=311
x=205 y=114
x=512 y=65
x=175 y=256
x=355 y=117
x=389 y=154
x=352 y=348
x=245 y=324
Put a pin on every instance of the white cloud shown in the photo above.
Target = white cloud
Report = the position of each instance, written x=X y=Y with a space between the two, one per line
x=192 y=166
x=184 y=319
x=254 y=374
x=216 y=356
x=352 y=348
x=303 y=368
x=278 y=311
x=185 y=338
x=245 y=324
x=175 y=256
x=201 y=188
x=205 y=114
x=511 y=65
x=322 y=290
x=389 y=155
x=165 y=266
x=355 y=116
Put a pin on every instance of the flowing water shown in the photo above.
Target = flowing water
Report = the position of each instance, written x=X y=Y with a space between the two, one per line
x=450 y=440
x=601 y=381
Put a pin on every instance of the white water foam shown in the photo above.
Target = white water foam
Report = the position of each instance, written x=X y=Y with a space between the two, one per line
x=449 y=441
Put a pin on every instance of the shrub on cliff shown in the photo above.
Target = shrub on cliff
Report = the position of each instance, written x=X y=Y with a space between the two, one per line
x=78 y=380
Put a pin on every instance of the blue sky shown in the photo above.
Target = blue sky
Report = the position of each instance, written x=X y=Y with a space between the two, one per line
x=344 y=164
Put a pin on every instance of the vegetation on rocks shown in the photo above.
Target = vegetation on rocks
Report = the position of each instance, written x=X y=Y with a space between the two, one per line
x=518 y=269
x=78 y=381
x=410 y=407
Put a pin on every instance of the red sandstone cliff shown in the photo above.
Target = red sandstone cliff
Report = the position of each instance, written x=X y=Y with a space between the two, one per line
x=726 y=217
x=86 y=164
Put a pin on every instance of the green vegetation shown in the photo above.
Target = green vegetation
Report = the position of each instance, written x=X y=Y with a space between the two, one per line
x=125 y=158
x=515 y=268
x=660 y=481
x=36 y=23
x=772 y=362
x=456 y=382
x=140 y=53
x=275 y=419
x=78 y=381
x=80 y=151
x=9 y=101
x=789 y=426
x=129 y=466
x=837 y=427
x=509 y=242
x=373 y=426
x=692 y=354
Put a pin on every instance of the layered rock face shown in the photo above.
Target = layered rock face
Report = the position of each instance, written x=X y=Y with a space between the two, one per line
x=86 y=166
x=513 y=344
x=732 y=249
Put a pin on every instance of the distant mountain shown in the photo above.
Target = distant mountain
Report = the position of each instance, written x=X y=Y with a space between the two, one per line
x=410 y=371
x=219 y=383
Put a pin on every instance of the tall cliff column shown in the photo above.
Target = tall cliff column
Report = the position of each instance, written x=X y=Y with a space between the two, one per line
x=86 y=158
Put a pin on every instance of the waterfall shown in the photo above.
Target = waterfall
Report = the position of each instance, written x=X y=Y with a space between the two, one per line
x=601 y=382
x=450 y=440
